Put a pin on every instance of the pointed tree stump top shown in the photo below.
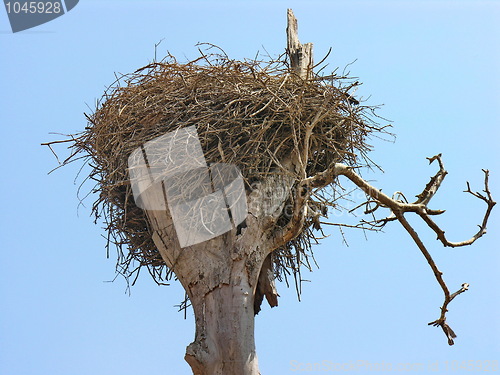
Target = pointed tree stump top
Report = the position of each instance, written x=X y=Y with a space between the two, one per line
x=300 y=55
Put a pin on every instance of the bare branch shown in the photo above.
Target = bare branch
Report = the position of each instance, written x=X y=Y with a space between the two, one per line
x=441 y=322
x=450 y=334
x=433 y=185
x=399 y=206
x=413 y=234
x=482 y=227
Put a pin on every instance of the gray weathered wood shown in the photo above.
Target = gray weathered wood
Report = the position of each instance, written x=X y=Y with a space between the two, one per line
x=227 y=277
x=300 y=55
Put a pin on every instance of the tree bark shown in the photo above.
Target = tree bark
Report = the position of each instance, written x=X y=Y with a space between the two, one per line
x=224 y=342
x=227 y=277
x=222 y=276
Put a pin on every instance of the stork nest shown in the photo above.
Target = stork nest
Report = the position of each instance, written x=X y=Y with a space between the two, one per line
x=252 y=114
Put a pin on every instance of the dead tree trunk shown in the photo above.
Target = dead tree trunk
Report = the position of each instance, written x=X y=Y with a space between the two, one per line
x=227 y=277
x=221 y=277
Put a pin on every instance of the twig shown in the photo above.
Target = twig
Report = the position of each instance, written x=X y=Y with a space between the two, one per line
x=441 y=322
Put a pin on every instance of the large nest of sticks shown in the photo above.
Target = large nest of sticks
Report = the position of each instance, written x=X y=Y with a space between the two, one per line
x=248 y=113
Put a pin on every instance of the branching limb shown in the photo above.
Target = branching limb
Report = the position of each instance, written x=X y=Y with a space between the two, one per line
x=450 y=334
x=482 y=227
x=400 y=206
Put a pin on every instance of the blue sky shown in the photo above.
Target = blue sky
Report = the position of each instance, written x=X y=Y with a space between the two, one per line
x=434 y=66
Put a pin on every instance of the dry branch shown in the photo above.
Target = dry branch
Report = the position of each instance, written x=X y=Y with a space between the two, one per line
x=399 y=208
x=482 y=227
